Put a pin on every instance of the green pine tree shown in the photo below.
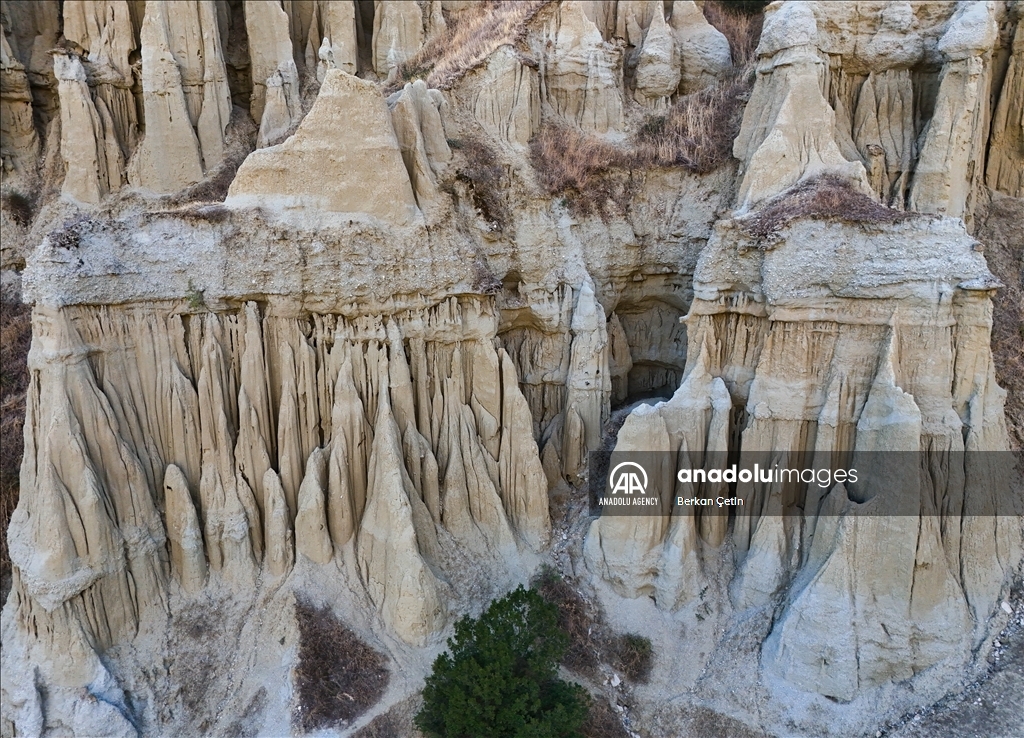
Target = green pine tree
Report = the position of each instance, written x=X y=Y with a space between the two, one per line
x=500 y=676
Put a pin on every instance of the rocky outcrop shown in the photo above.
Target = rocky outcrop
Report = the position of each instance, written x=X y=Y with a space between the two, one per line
x=819 y=397
x=944 y=180
x=107 y=35
x=787 y=133
x=350 y=385
x=185 y=95
x=362 y=160
x=581 y=72
x=658 y=67
x=397 y=34
x=704 y=51
x=270 y=51
x=416 y=117
x=1006 y=146
x=20 y=146
x=92 y=156
x=507 y=97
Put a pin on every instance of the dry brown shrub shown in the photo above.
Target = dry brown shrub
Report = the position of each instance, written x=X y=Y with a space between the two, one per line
x=15 y=338
x=475 y=34
x=633 y=655
x=602 y=722
x=740 y=24
x=827 y=196
x=577 y=620
x=481 y=170
x=696 y=133
x=337 y=676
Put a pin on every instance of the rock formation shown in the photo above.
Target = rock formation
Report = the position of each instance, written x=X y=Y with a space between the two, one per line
x=380 y=366
x=367 y=145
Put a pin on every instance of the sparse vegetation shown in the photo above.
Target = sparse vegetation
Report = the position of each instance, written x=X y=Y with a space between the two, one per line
x=241 y=142
x=827 y=196
x=18 y=205
x=500 y=676
x=472 y=36
x=195 y=298
x=337 y=677
x=15 y=339
x=68 y=236
x=634 y=655
x=696 y=134
x=602 y=722
x=484 y=176
x=739 y=21
x=589 y=645
x=576 y=620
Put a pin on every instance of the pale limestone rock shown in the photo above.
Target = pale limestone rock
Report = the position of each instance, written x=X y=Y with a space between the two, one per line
x=634 y=17
x=887 y=574
x=169 y=158
x=340 y=36
x=188 y=559
x=351 y=439
x=658 y=67
x=270 y=52
x=103 y=28
x=626 y=550
x=679 y=571
x=582 y=72
x=312 y=538
x=421 y=137
x=398 y=580
x=788 y=127
x=620 y=360
x=507 y=97
x=588 y=382
x=704 y=52
x=1005 y=168
x=883 y=132
x=943 y=179
x=106 y=32
x=397 y=34
x=523 y=483
x=88 y=146
x=277 y=532
x=471 y=508
x=20 y=142
x=358 y=163
x=896 y=43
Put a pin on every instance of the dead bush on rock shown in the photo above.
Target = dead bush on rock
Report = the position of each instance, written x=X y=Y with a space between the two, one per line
x=827 y=196
x=337 y=676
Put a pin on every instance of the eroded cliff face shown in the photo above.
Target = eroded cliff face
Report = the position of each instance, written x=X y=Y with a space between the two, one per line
x=373 y=376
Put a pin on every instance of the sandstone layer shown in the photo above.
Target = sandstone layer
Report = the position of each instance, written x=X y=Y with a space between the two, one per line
x=377 y=367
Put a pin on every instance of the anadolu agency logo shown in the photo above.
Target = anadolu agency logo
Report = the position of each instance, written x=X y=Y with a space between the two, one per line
x=628 y=482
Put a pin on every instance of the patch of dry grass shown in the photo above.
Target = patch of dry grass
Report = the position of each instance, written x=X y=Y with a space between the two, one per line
x=337 y=677
x=827 y=196
x=602 y=722
x=740 y=22
x=15 y=338
x=696 y=133
x=485 y=178
x=474 y=35
x=589 y=644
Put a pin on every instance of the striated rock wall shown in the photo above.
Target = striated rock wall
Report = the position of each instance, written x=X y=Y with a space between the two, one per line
x=372 y=366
